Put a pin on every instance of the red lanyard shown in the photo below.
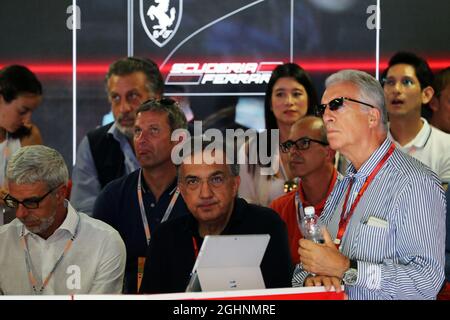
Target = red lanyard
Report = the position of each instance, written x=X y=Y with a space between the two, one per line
x=194 y=242
x=343 y=223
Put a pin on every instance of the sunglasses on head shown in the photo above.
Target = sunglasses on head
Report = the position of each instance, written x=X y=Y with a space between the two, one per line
x=336 y=104
x=163 y=101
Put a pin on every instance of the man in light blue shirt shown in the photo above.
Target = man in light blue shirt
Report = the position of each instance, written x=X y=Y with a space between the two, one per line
x=385 y=234
x=106 y=153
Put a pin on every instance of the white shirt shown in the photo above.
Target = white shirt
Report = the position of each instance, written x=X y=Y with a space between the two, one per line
x=95 y=263
x=258 y=188
x=431 y=146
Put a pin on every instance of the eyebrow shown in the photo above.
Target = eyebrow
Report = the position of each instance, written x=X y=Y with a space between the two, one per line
x=215 y=173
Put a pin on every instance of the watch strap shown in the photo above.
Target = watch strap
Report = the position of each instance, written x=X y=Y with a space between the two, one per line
x=353 y=264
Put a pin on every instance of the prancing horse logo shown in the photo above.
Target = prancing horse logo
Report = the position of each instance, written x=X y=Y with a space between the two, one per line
x=160 y=19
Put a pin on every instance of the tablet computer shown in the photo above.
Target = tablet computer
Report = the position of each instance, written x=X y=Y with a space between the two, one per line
x=229 y=262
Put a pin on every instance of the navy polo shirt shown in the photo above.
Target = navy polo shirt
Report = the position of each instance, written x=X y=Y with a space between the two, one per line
x=118 y=205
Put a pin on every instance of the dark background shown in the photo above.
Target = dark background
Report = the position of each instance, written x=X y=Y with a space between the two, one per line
x=35 y=34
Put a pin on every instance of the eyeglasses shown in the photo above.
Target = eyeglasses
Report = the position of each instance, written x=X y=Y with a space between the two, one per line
x=336 y=104
x=215 y=181
x=300 y=144
x=30 y=203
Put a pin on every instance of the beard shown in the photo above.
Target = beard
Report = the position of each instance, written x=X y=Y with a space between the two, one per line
x=126 y=131
x=44 y=223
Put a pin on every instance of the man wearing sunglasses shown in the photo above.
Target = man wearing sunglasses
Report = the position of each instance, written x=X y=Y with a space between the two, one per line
x=137 y=203
x=407 y=84
x=50 y=248
x=106 y=153
x=311 y=159
x=385 y=233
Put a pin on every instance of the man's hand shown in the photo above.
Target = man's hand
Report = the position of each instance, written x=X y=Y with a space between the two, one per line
x=327 y=282
x=323 y=259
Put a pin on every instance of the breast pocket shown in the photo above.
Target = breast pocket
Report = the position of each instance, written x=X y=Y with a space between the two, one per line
x=370 y=243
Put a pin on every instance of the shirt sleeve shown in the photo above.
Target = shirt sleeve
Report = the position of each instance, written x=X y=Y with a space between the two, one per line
x=85 y=183
x=106 y=205
x=111 y=268
x=299 y=276
x=417 y=270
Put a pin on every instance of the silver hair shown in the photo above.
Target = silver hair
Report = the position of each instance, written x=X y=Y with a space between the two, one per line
x=369 y=88
x=230 y=157
x=33 y=164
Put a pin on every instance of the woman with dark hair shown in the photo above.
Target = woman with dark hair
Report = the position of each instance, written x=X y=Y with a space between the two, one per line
x=20 y=95
x=290 y=95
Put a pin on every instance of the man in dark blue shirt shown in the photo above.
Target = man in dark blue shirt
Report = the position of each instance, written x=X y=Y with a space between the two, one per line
x=210 y=192
x=135 y=204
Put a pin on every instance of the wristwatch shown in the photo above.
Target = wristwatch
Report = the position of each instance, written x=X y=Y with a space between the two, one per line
x=351 y=275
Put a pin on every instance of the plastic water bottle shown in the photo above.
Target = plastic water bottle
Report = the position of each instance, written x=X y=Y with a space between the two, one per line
x=311 y=226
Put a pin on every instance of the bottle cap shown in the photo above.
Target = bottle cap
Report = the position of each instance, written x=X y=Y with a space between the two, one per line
x=310 y=211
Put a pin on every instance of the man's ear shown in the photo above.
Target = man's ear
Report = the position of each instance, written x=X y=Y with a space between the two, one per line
x=427 y=94
x=331 y=154
x=374 y=117
x=61 y=193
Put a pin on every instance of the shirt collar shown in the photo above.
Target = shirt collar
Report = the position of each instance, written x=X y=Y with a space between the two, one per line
x=370 y=164
x=420 y=140
x=170 y=189
x=115 y=132
x=69 y=223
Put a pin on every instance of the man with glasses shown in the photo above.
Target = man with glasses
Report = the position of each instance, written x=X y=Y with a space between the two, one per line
x=408 y=90
x=50 y=248
x=310 y=159
x=209 y=187
x=136 y=203
x=385 y=220
x=106 y=153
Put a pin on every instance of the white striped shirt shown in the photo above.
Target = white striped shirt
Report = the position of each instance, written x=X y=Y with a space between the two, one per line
x=404 y=259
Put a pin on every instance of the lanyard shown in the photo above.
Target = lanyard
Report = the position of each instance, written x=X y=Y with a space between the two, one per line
x=29 y=264
x=194 y=243
x=142 y=208
x=343 y=223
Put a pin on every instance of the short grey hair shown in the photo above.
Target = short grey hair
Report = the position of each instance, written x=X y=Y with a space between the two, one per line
x=33 y=164
x=369 y=88
x=199 y=140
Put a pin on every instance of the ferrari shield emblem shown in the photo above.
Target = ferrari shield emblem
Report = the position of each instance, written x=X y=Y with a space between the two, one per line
x=160 y=19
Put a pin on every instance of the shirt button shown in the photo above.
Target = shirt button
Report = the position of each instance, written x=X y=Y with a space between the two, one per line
x=152 y=205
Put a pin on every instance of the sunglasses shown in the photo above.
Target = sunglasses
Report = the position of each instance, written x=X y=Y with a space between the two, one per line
x=336 y=104
x=300 y=144
x=163 y=101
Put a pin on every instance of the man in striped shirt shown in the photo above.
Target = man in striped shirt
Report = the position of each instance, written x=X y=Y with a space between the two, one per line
x=387 y=216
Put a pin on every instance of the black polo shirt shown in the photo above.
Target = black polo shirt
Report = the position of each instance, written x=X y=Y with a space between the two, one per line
x=171 y=253
x=118 y=206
